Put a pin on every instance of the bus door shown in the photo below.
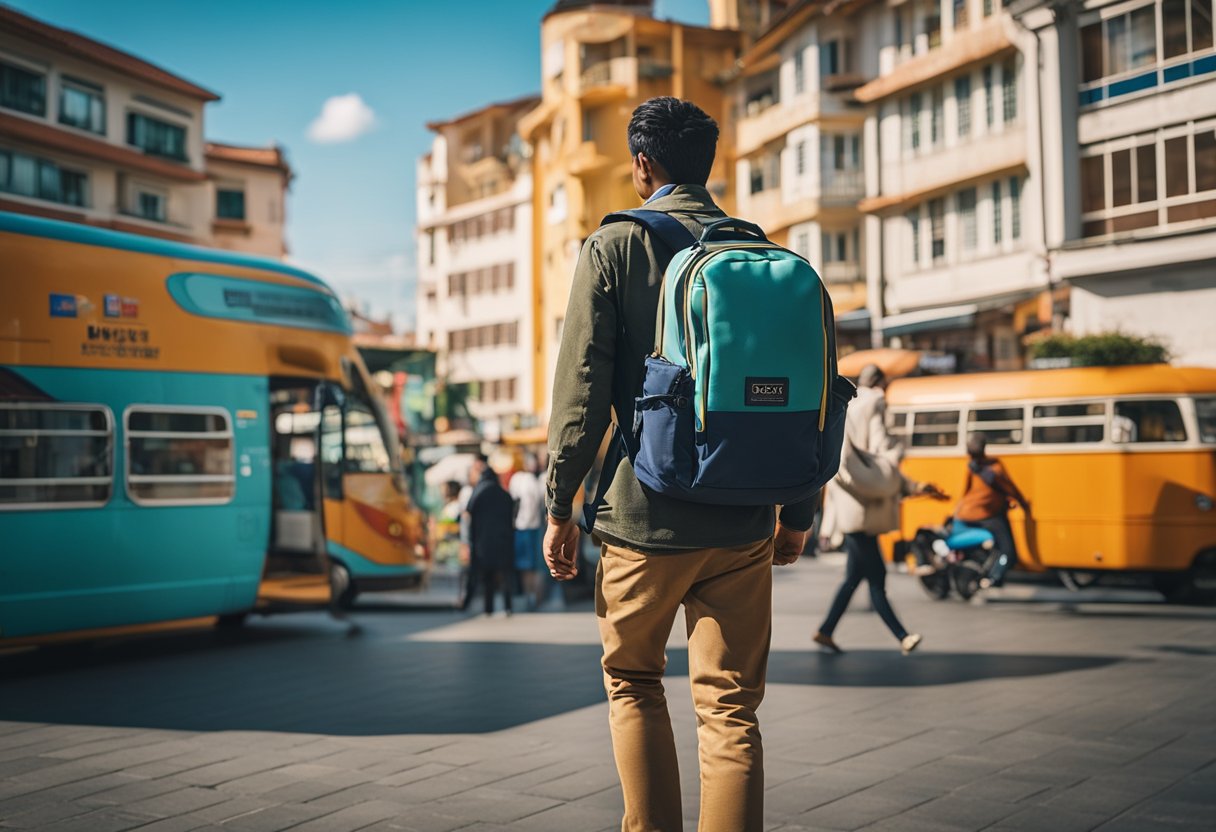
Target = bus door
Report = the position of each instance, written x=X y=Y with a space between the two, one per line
x=306 y=455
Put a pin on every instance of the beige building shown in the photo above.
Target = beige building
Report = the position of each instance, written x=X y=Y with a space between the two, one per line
x=599 y=61
x=474 y=243
x=798 y=144
x=1129 y=138
x=94 y=135
x=249 y=197
x=955 y=255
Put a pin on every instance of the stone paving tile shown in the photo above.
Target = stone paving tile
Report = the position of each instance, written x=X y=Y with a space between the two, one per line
x=352 y=817
x=494 y=805
x=179 y=802
x=101 y=820
x=1054 y=818
x=43 y=815
x=273 y=819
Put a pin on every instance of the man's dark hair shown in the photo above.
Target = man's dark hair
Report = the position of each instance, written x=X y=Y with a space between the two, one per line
x=677 y=135
x=977 y=445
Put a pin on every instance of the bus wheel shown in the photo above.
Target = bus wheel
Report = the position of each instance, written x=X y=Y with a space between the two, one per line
x=965 y=578
x=1076 y=580
x=341 y=587
x=936 y=586
x=231 y=621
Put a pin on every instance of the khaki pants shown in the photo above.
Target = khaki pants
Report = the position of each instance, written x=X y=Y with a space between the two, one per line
x=727 y=598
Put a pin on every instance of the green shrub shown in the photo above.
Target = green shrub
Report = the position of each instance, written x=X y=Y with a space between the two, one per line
x=1107 y=349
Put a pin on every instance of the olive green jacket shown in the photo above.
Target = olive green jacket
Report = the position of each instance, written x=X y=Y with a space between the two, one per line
x=608 y=332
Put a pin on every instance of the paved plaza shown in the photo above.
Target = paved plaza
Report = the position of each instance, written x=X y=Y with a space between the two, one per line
x=1038 y=710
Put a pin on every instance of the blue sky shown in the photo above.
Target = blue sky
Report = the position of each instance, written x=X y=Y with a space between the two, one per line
x=351 y=208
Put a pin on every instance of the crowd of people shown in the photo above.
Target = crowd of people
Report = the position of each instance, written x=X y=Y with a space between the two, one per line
x=499 y=529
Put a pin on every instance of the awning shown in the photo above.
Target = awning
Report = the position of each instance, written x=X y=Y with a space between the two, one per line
x=856 y=321
x=930 y=320
x=893 y=363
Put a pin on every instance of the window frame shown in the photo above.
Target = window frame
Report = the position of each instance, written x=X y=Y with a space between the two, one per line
x=193 y=410
x=1188 y=437
x=973 y=426
x=110 y=432
x=5 y=61
x=66 y=83
x=912 y=429
x=221 y=192
x=184 y=158
x=1102 y=420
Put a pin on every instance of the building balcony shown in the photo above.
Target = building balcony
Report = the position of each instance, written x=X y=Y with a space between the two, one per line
x=613 y=78
x=968 y=48
x=841 y=271
x=916 y=178
x=843 y=187
x=757 y=127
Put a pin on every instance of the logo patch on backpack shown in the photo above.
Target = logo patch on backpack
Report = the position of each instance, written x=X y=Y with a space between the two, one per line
x=766 y=392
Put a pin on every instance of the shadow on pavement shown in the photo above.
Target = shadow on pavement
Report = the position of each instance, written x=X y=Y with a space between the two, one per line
x=888 y=669
x=312 y=676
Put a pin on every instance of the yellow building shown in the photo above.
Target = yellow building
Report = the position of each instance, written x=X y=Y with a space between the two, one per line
x=599 y=61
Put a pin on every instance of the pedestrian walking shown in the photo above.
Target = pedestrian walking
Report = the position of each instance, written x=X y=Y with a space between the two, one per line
x=987 y=496
x=492 y=538
x=862 y=502
x=469 y=571
x=528 y=492
x=657 y=551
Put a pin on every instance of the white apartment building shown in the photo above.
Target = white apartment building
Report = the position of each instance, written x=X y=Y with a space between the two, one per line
x=798 y=134
x=955 y=253
x=1129 y=114
x=474 y=239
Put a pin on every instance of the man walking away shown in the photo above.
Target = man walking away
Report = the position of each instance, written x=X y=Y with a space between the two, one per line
x=863 y=502
x=529 y=495
x=986 y=499
x=492 y=537
x=659 y=552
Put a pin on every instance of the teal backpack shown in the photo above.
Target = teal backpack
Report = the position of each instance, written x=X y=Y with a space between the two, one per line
x=741 y=403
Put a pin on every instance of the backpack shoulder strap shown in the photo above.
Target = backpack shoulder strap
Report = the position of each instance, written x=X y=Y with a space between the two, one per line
x=664 y=226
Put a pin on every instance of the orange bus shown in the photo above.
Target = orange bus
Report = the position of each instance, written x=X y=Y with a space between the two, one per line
x=1118 y=463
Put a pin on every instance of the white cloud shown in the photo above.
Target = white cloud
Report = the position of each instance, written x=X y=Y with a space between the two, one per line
x=343 y=118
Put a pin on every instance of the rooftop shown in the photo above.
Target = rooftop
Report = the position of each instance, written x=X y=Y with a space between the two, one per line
x=67 y=42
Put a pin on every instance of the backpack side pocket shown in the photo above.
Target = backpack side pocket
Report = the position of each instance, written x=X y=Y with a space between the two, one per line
x=663 y=428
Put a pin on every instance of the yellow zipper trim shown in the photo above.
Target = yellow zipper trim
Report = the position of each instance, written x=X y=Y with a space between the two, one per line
x=823 y=406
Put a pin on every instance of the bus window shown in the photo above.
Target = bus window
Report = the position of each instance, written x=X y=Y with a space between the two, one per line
x=1068 y=423
x=1206 y=410
x=1000 y=425
x=55 y=456
x=935 y=429
x=179 y=456
x=1147 y=421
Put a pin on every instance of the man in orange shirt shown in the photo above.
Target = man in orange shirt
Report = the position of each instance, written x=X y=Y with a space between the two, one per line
x=986 y=499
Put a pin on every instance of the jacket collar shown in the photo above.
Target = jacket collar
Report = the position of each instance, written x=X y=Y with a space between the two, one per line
x=686 y=199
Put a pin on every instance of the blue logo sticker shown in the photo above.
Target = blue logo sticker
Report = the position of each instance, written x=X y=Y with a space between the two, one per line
x=113 y=305
x=63 y=306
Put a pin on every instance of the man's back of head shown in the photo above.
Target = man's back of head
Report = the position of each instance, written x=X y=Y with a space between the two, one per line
x=672 y=142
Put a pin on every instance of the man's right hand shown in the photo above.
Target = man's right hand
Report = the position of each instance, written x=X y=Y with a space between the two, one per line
x=787 y=545
x=561 y=548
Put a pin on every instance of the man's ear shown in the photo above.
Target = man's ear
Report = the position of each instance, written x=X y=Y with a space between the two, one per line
x=645 y=171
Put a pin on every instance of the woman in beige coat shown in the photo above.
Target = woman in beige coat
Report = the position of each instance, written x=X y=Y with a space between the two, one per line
x=862 y=502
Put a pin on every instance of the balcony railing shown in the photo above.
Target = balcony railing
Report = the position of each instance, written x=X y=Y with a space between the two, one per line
x=842 y=271
x=843 y=186
x=612 y=72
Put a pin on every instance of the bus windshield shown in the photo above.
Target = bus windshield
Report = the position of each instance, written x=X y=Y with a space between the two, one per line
x=366 y=450
x=1206 y=410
